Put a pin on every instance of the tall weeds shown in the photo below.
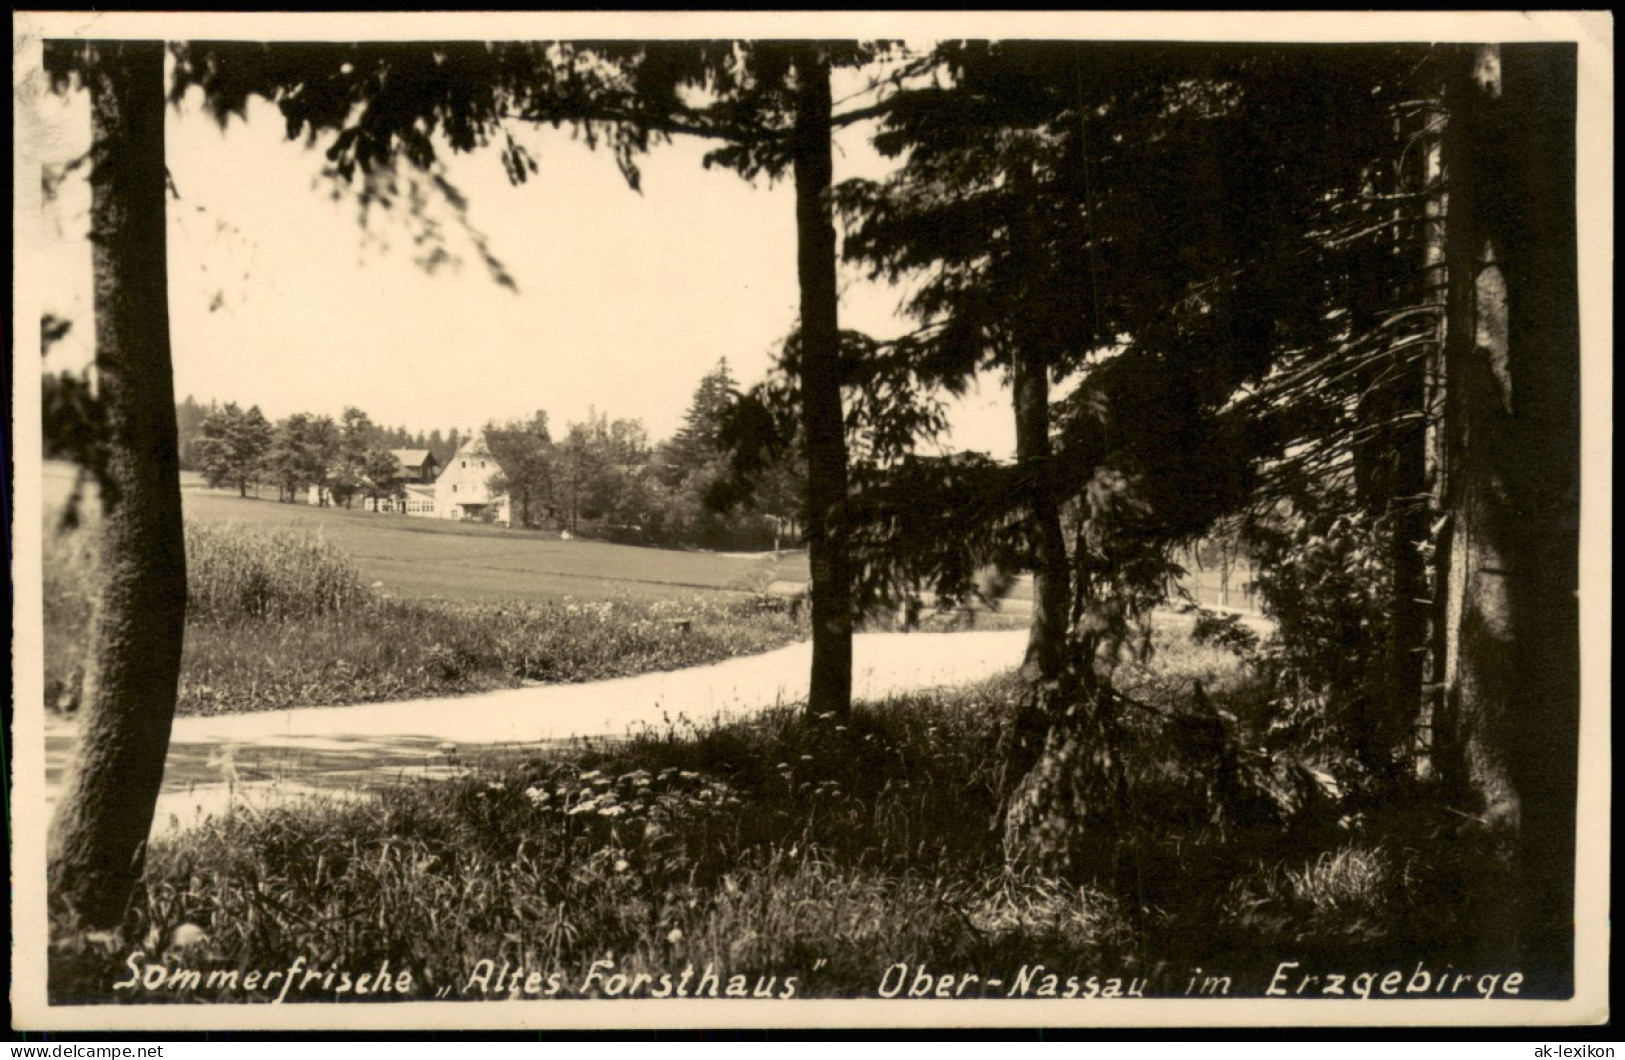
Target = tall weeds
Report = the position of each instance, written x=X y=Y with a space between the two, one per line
x=235 y=571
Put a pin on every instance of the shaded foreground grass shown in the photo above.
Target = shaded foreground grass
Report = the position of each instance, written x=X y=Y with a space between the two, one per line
x=776 y=857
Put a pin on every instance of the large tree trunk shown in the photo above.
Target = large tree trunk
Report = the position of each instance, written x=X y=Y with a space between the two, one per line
x=1052 y=586
x=831 y=680
x=1395 y=733
x=1063 y=752
x=1063 y=746
x=1436 y=446
x=1511 y=640
x=1043 y=710
x=1408 y=514
x=133 y=665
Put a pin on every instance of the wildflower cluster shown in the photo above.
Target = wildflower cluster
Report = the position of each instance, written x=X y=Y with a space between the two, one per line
x=635 y=797
x=599 y=611
x=636 y=816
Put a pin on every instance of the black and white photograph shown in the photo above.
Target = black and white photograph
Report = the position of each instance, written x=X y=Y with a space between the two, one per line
x=725 y=520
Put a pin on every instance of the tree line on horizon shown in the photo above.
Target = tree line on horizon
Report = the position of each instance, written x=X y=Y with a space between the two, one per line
x=190 y=413
x=603 y=476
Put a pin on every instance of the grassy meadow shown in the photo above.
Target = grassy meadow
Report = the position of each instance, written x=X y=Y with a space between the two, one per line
x=292 y=606
x=277 y=620
x=434 y=559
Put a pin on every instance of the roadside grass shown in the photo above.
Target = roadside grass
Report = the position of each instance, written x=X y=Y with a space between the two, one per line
x=401 y=650
x=277 y=619
x=241 y=573
x=738 y=857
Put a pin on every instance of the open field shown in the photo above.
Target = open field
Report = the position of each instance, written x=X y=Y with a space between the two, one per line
x=420 y=607
x=432 y=559
x=280 y=616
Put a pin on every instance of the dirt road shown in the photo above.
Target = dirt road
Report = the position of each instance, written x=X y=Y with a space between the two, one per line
x=274 y=757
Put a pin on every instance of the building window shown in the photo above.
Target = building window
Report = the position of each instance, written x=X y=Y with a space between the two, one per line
x=454 y=487
x=465 y=463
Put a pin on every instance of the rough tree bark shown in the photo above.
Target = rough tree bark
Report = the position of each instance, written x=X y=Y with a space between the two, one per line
x=133 y=657
x=1396 y=732
x=1408 y=530
x=1435 y=445
x=1045 y=658
x=1063 y=747
x=831 y=678
x=1511 y=639
x=1052 y=589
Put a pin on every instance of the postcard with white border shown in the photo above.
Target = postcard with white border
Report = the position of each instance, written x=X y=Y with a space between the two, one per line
x=559 y=521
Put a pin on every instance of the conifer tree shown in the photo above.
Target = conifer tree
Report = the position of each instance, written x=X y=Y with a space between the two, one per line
x=694 y=447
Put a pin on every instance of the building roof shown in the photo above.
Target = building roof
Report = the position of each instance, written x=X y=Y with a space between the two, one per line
x=479 y=444
x=412 y=457
x=421 y=490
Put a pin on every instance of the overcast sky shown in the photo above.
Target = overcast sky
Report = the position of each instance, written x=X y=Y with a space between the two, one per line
x=278 y=297
x=624 y=301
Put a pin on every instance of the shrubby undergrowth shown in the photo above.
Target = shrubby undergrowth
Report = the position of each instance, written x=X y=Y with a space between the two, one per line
x=818 y=853
x=1324 y=577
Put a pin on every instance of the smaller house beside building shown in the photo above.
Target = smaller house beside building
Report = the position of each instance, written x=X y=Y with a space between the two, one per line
x=414 y=498
x=417 y=465
x=417 y=499
x=418 y=471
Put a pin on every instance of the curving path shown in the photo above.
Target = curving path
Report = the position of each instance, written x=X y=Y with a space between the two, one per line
x=250 y=761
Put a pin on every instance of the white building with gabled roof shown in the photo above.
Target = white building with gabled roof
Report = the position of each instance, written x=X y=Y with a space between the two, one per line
x=463 y=489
